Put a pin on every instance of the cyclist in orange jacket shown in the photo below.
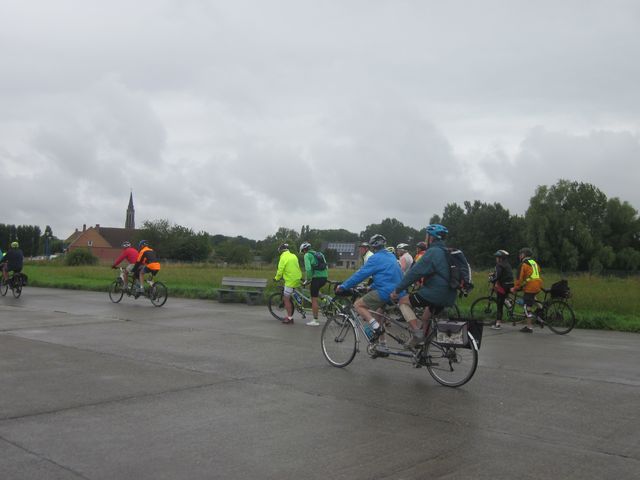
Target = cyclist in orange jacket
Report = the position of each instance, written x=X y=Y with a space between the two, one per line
x=530 y=282
x=147 y=262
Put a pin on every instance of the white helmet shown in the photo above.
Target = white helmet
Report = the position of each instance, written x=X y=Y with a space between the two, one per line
x=402 y=246
x=305 y=246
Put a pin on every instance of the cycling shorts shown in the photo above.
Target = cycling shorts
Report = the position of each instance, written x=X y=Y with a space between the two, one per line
x=316 y=285
x=372 y=300
x=287 y=291
x=418 y=301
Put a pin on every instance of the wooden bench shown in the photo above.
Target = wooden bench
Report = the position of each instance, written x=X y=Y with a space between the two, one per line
x=250 y=288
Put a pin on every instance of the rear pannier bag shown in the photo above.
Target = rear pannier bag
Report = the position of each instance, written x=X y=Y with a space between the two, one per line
x=451 y=332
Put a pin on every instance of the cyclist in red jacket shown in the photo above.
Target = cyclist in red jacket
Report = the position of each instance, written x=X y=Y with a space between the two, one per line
x=129 y=254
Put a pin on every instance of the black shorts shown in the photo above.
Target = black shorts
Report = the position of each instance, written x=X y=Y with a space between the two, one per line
x=529 y=298
x=316 y=285
x=11 y=268
x=417 y=301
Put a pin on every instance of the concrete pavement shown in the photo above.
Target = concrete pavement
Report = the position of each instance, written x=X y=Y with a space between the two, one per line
x=203 y=390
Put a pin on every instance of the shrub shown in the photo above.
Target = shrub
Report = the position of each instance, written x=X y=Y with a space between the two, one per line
x=80 y=256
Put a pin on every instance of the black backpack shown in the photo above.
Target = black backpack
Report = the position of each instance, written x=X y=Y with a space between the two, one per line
x=459 y=271
x=321 y=262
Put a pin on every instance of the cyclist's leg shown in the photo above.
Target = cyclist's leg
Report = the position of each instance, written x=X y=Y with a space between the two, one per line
x=5 y=272
x=500 y=298
x=314 y=288
x=404 y=304
x=288 y=306
x=370 y=301
x=529 y=299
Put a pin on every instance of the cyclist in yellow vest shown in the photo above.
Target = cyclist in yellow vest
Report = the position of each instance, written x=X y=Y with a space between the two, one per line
x=530 y=282
x=289 y=269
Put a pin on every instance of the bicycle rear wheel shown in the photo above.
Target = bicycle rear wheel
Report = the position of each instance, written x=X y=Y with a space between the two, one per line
x=158 y=294
x=276 y=306
x=559 y=317
x=449 y=365
x=485 y=310
x=338 y=340
x=17 y=286
x=116 y=291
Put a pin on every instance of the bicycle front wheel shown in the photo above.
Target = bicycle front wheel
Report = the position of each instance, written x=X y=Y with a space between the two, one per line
x=449 y=365
x=276 y=306
x=116 y=291
x=158 y=294
x=338 y=340
x=485 y=310
x=559 y=317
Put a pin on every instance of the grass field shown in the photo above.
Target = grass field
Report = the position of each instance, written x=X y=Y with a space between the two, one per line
x=599 y=302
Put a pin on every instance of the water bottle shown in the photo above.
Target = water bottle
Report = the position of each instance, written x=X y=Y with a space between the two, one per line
x=296 y=295
x=368 y=330
x=520 y=301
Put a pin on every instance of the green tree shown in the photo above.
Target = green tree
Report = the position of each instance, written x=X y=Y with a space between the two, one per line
x=394 y=231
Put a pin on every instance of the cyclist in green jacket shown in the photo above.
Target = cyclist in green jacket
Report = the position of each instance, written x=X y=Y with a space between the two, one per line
x=289 y=269
x=316 y=272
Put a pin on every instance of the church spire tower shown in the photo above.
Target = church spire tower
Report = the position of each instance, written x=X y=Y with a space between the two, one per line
x=130 y=222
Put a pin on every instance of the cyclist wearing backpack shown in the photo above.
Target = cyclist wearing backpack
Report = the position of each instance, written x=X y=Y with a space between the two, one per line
x=502 y=279
x=435 y=293
x=316 y=272
x=530 y=282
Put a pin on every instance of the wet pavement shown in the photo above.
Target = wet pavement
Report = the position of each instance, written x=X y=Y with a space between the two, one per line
x=202 y=390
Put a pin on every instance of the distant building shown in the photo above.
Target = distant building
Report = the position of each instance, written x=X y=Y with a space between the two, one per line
x=347 y=253
x=104 y=242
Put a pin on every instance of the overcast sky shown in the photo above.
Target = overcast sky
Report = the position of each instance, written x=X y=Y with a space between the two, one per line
x=241 y=116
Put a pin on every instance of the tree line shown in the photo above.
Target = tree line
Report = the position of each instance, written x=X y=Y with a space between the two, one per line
x=571 y=226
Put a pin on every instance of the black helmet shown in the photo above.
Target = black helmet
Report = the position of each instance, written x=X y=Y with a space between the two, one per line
x=142 y=243
x=422 y=246
x=526 y=251
x=283 y=247
x=377 y=241
x=501 y=253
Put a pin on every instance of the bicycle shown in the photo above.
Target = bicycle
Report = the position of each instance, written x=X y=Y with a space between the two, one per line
x=155 y=291
x=553 y=311
x=301 y=300
x=449 y=352
x=16 y=281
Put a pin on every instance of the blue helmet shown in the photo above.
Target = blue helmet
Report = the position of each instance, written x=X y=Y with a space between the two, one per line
x=438 y=231
x=142 y=243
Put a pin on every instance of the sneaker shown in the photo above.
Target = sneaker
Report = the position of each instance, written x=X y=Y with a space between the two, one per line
x=496 y=327
x=417 y=337
x=313 y=323
x=382 y=350
x=287 y=321
x=526 y=330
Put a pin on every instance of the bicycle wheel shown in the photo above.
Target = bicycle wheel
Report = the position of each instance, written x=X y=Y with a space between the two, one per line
x=338 y=340
x=276 y=306
x=116 y=291
x=158 y=294
x=17 y=286
x=559 y=317
x=485 y=310
x=450 y=365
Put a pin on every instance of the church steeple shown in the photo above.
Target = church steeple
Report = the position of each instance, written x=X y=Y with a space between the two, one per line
x=130 y=222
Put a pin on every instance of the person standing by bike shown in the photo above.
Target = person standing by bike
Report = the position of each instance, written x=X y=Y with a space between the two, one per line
x=530 y=282
x=435 y=294
x=317 y=273
x=129 y=254
x=12 y=261
x=404 y=257
x=502 y=279
x=384 y=269
x=146 y=262
x=365 y=252
x=289 y=269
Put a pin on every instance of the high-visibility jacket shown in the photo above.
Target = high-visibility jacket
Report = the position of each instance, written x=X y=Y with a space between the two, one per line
x=147 y=257
x=530 y=279
x=289 y=269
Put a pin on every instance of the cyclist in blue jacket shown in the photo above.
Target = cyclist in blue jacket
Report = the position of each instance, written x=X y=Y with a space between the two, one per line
x=385 y=271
